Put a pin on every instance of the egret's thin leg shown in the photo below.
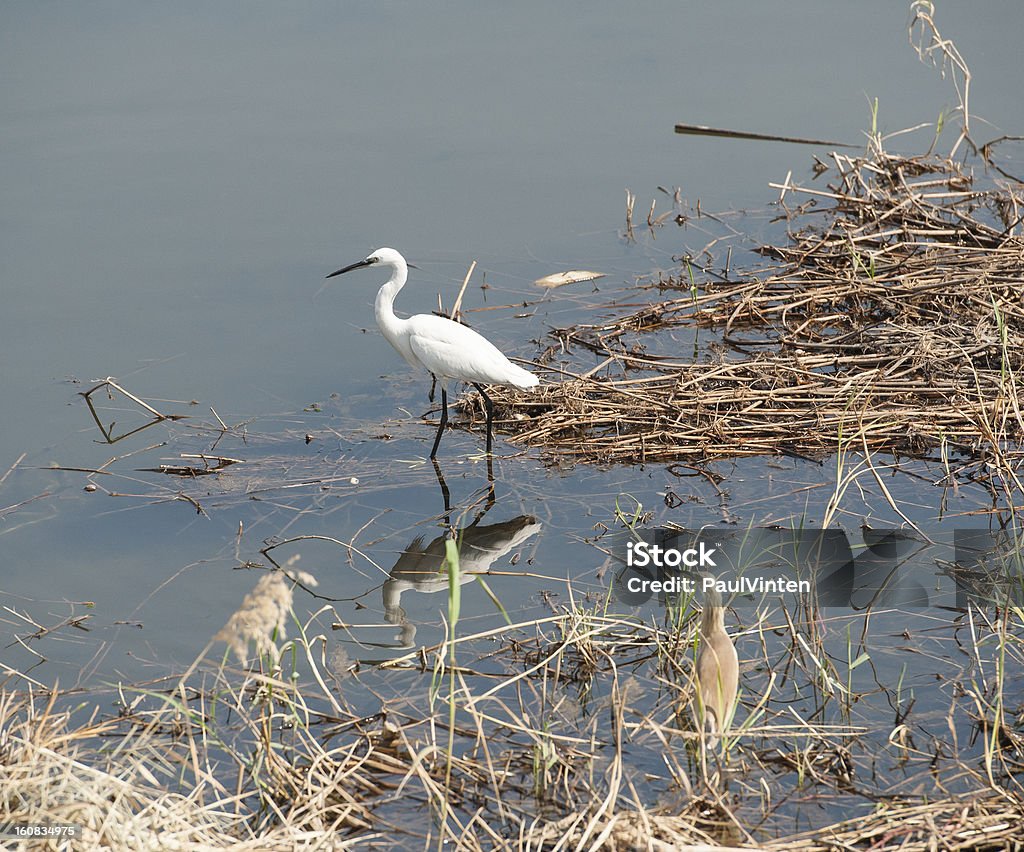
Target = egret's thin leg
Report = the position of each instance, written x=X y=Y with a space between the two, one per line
x=433 y=387
x=490 y=414
x=443 y=423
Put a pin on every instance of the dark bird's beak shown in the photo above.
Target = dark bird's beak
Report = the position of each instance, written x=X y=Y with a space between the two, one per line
x=359 y=265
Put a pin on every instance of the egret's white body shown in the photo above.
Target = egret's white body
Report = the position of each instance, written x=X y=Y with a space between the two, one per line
x=444 y=347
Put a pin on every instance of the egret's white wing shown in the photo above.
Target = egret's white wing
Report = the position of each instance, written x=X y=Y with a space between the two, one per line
x=453 y=351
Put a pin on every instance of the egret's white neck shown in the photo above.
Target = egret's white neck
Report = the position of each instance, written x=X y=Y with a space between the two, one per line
x=383 y=306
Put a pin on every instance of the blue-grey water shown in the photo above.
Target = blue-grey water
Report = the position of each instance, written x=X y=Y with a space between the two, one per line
x=179 y=178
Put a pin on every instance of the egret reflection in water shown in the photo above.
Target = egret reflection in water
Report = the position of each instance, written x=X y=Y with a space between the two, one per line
x=422 y=567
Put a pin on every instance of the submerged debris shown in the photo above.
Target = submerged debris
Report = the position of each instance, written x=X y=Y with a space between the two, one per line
x=573 y=276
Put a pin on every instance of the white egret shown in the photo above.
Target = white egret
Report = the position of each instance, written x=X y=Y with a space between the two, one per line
x=446 y=348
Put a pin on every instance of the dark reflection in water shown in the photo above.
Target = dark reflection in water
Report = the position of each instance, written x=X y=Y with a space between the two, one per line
x=423 y=567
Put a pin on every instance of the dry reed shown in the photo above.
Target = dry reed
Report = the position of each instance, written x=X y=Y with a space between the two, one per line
x=237 y=759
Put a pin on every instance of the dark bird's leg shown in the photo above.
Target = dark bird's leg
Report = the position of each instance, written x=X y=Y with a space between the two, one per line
x=490 y=414
x=433 y=386
x=444 y=420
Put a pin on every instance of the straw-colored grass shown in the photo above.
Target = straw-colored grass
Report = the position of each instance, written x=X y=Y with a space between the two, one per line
x=983 y=824
x=242 y=760
x=56 y=770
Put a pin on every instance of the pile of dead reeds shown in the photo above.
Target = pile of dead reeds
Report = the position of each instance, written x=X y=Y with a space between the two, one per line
x=982 y=824
x=108 y=782
x=893 y=321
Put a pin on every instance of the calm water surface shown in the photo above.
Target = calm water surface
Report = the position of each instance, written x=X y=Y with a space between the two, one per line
x=179 y=179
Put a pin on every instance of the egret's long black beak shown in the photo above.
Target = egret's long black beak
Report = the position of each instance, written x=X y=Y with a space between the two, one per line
x=349 y=268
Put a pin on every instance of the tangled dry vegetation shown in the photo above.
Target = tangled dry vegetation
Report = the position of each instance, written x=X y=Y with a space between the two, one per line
x=892 y=320
x=260 y=759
